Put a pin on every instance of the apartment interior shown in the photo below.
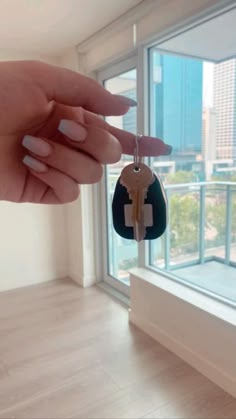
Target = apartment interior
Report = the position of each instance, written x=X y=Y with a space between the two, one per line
x=96 y=326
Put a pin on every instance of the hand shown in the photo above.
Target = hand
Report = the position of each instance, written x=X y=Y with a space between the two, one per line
x=51 y=137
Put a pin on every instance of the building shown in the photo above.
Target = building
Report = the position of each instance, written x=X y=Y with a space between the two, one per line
x=225 y=106
x=209 y=134
x=129 y=119
x=177 y=103
x=209 y=140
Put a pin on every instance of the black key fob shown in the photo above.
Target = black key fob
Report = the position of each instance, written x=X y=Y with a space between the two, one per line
x=154 y=210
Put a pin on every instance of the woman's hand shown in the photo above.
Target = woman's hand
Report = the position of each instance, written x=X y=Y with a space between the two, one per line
x=51 y=135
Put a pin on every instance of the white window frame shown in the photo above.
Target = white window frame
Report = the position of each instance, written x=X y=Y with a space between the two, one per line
x=138 y=60
x=113 y=70
x=106 y=52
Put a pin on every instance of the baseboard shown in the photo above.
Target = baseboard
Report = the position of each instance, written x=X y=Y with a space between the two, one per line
x=85 y=281
x=209 y=370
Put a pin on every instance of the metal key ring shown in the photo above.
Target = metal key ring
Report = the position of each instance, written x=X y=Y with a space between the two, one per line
x=137 y=158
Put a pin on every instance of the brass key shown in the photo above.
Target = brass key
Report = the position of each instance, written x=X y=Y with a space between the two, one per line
x=137 y=180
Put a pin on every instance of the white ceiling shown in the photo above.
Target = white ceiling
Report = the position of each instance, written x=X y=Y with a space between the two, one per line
x=50 y=26
x=213 y=40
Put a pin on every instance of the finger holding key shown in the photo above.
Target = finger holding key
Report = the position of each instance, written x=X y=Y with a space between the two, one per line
x=148 y=145
x=102 y=140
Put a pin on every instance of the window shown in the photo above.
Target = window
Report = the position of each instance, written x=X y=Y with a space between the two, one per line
x=187 y=110
x=191 y=104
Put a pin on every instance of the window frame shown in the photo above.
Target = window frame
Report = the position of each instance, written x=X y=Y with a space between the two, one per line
x=113 y=70
x=139 y=59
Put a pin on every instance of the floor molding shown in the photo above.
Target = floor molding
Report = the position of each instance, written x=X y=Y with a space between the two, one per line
x=209 y=370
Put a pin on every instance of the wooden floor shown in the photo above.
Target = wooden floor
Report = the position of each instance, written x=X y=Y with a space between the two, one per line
x=70 y=353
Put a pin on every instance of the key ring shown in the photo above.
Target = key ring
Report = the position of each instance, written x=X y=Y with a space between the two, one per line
x=137 y=158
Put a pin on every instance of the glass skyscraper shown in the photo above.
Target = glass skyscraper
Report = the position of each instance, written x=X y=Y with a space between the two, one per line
x=225 y=106
x=177 y=99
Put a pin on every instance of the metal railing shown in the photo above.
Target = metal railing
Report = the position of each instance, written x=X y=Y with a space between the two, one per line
x=201 y=188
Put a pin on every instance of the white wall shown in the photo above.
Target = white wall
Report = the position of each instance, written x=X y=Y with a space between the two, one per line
x=79 y=215
x=15 y=55
x=32 y=244
x=69 y=59
x=33 y=238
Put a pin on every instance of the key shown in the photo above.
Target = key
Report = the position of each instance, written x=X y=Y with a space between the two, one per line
x=137 y=181
x=138 y=184
x=155 y=211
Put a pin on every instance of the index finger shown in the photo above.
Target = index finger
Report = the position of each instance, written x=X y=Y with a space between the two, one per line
x=148 y=146
x=70 y=88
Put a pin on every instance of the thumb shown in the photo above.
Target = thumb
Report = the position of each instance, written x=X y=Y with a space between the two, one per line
x=70 y=88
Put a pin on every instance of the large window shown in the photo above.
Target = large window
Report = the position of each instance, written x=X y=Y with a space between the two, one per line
x=193 y=108
x=190 y=103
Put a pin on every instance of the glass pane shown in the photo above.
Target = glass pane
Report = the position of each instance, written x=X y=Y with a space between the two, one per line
x=122 y=253
x=233 y=231
x=193 y=108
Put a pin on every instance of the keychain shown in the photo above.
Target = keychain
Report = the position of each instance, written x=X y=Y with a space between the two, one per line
x=139 y=205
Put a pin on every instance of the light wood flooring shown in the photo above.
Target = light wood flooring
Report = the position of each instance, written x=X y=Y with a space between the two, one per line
x=66 y=352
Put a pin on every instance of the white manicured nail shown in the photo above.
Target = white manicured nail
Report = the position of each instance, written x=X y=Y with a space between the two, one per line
x=34 y=164
x=72 y=130
x=37 y=145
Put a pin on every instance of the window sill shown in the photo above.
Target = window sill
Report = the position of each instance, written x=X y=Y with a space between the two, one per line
x=206 y=303
x=197 y=328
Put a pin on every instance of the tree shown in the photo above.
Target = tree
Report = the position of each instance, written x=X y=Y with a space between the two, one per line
x=216 y=214
x=216 y=217
x=181 y=176
x=184 y=222
x=224 y=177
x=184 y=215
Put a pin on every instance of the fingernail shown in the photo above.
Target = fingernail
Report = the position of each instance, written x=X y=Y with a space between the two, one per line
x=168 y=149
x=36 y=145
x=126 y=100
x=73 y=130
x=34 y=164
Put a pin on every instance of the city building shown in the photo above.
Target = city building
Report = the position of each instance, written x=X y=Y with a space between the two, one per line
x=176 y=111
x=209 y=140
x=209 y=134
x=177 y=102
x=224 y=103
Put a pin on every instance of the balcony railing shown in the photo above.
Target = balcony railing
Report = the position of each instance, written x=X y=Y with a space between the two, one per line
x=214 y=195
x=199 y=245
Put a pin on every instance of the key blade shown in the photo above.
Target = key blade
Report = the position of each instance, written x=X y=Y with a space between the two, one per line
x=137 y=183
x=136 y=214
x=134 y=197
x=140 y=213
x=139 y=230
